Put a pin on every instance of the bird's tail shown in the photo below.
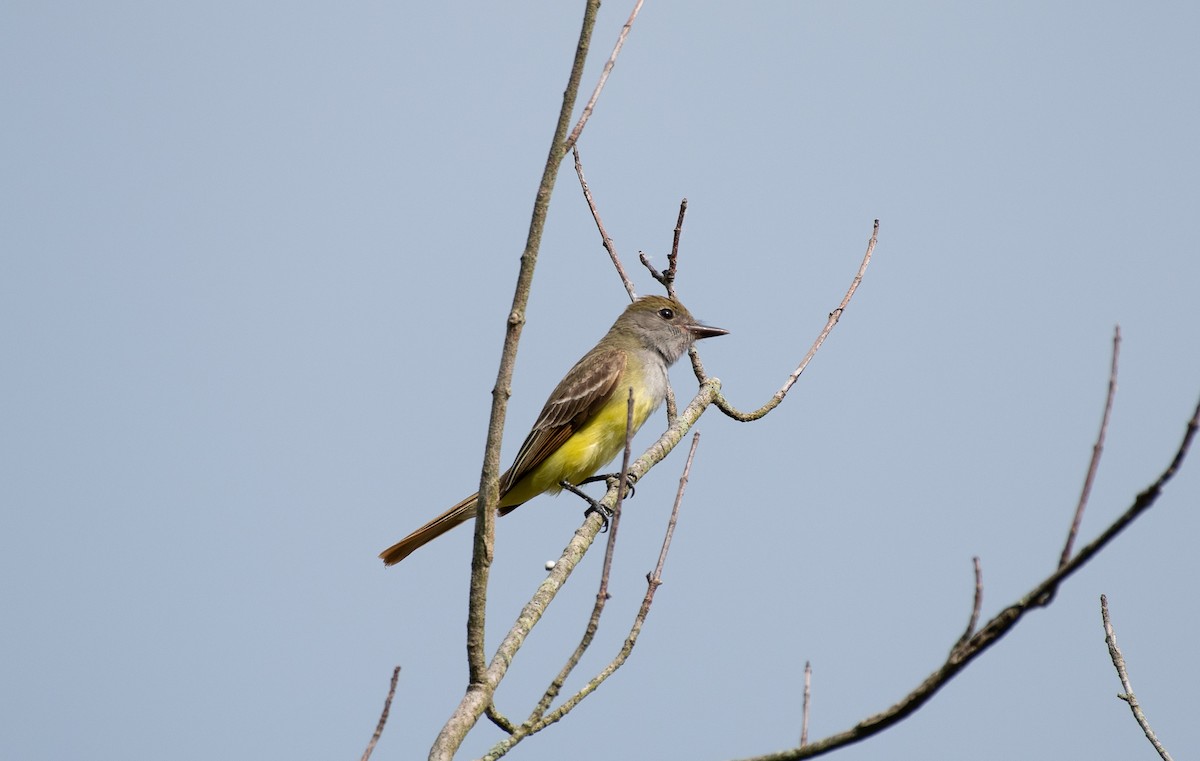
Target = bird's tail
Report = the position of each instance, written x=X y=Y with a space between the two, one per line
x=460 y=513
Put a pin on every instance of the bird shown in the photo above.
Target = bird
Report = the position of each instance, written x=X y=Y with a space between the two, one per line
x=582 y=425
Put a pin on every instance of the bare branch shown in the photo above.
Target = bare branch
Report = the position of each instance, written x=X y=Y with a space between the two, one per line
x=482 y=681
x=673 y=257
x=834 y=316
x=609 y=246
x=976 y=606
x=666 y=545
x=383 y=715
x=608 y=67
x=499 y=719
x=1097 y=449
x=645 y=260
x=807 y=698
x=960 y=657
x=1118 y=660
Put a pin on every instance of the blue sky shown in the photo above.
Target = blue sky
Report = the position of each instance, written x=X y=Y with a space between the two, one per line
x=257 y=260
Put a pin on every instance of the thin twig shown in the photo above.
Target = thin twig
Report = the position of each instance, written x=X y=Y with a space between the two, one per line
x=834 y=316
x=807 y=698
x=976 y=605
x=654 y=273
x=671 y=406
x=998 y=626
x=673 y=257
x=500 y=720
x=656 y=580
x=383 y=715
x=609 y=246
x=1118 y=660
x=608 y=67
x=1097 y=449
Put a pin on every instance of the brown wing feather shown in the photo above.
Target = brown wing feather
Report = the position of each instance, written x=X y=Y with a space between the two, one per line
x=584 y=390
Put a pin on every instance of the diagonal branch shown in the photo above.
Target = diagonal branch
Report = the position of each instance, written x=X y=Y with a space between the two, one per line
x=608 y=67
x=1114 y=652
x=963 y=653
x=609 y=246
x=383 y=715
x=1097 y=450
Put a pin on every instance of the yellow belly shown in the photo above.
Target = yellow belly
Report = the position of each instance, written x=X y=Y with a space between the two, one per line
x=594 y=445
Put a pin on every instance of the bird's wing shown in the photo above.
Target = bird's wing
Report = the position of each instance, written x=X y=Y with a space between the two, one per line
x=583 y=391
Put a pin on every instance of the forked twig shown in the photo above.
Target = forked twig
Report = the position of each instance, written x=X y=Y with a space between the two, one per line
x=667 y=276
x=1118 y=660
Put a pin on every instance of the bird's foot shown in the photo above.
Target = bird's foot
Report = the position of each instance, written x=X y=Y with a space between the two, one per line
x=593 y=505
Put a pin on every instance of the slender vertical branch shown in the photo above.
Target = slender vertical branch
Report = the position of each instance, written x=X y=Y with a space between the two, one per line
x=482 y=683
x=807 y=698
x=1097 y=450
x=673 y=257
x=976 y=606
x=489 y=491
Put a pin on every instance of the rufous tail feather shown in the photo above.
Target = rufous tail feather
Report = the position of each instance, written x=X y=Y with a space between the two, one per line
x=460 y=513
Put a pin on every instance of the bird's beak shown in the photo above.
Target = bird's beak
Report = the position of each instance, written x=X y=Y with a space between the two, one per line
x=699 y=331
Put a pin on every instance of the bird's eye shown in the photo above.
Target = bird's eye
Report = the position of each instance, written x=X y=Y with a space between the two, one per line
x=666 y=313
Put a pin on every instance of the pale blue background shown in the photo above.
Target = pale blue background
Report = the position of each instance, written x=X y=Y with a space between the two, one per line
x=256 y=264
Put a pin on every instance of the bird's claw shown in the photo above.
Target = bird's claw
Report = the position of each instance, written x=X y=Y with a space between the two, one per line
x=610 y=479
x=604 y=512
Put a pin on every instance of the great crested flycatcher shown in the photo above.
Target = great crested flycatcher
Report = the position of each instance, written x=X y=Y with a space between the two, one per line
x=582 y=426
